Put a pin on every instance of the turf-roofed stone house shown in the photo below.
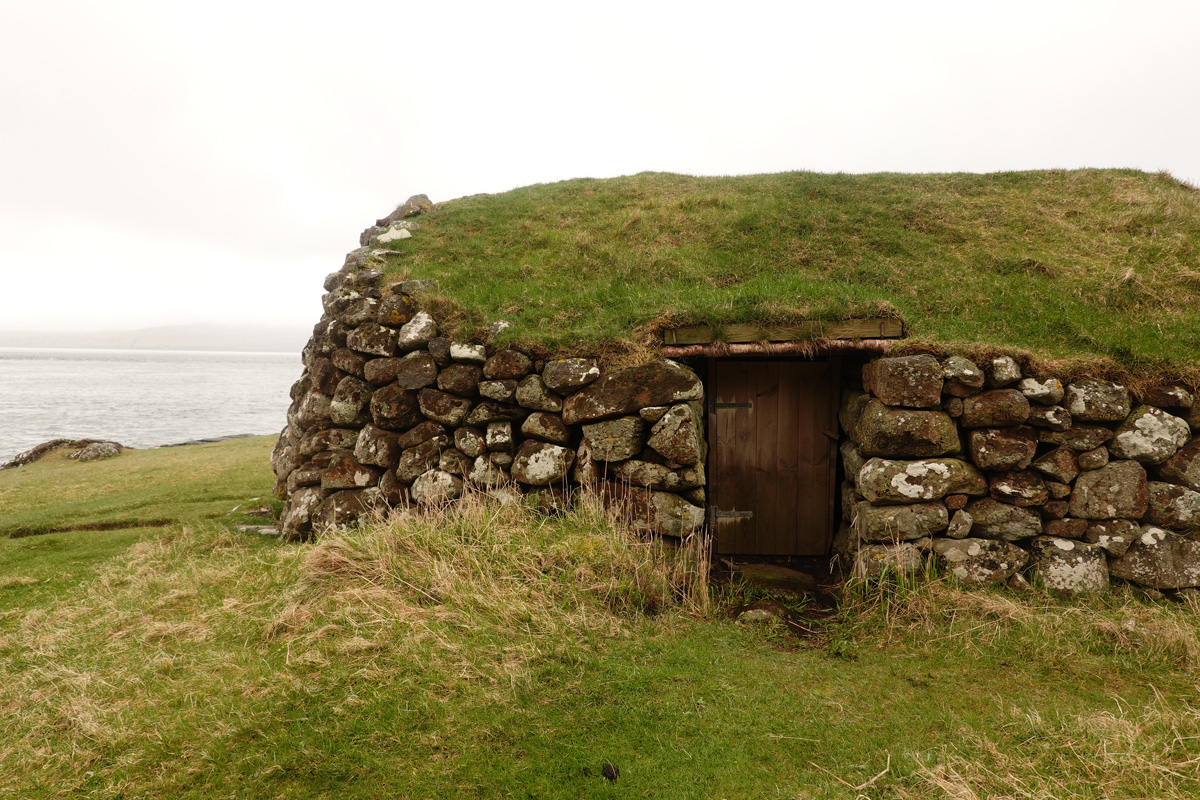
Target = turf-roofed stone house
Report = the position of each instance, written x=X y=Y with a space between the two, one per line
x=992 y=375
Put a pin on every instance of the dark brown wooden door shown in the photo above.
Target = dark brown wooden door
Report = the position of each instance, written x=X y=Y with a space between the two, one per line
x=771 y=472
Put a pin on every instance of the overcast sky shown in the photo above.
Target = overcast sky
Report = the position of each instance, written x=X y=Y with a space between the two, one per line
x=170 y=162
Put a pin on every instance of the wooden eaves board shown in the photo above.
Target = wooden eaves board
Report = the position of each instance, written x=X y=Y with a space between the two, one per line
x=877 y=328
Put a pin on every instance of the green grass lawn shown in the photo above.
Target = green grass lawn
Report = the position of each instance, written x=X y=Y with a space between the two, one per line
x=1063 y=264
x=491 y=652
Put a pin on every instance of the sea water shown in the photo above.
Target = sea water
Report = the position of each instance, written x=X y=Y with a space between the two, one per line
x=140 y=398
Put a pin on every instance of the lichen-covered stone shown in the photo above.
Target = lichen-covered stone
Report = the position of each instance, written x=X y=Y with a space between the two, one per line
x=1025 y=488
x=1169 y=396
x=1184 y=467
x=960 y=525
x=416 y=370
x=962 y=377
x=547 y=427
x=455 y=462
x=1112 y=535
x=1149 y=435
x=499 y=436
x=436 y=487
x=677 y=435
x=345 y=508
x=1069 y=567
x=1003 y=371
x=1117 y=490
x=373 y=339
x=472 y=442
x=380 y=371
x=395 y=408
x=851 y=406
x=567 y=375
x=296 y=520
x=1047 y=391
x=875 y=561
x=491 y=411
x=395 y=310
x=532 y=393
x=1066 y=527
x=1054 y=509
x=422 y=432
x=617 y=439
x=376 y=446
x=1097 y=401
x=899 y=523
x=439 y=349
x=468 y=353
x=328 y=439
x=624 y=392
x=1061 y=463
x=1093 y=459
x=541 y=463
x=1058 y=491
x=979 y=562
x=1079 y=437
x=349 y=406
x=657 y=476
x=910 y=381
x=887 y=482
x=662 y=513
x=415 y=333
x=345 y=472
x=1002 y=449
x=994 y=520
x=416 y=460
x=507 y=365
x=460 y=379
x=906 y=433
x=442 y=407
x=998 y=408
x=501 y=391
x=348 y=361
x=852 y=459
x=1055 y=418
x=1159 y=559
x=485 y=472
x=323 y=376
x=1173 y=507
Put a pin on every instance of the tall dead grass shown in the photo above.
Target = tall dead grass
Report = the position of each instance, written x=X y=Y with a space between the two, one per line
x=487 y=588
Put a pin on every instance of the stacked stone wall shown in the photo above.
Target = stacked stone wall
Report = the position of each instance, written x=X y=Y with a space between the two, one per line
x=998 y=477
x=388 y=412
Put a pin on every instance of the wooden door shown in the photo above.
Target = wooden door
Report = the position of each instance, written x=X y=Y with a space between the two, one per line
x=771 y=470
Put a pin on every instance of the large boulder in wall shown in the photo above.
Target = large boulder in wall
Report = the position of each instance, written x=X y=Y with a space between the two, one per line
x=979 y=562
x=910 y=381
x=658 y=383
x=1069 y=567
x=1149 y=435
x=888 y=482
x=1115 y=491
x=1159 y=559
x=906 y=433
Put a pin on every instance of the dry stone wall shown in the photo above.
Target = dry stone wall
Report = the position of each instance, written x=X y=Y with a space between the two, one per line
x=1000 y=477
x=388 y=412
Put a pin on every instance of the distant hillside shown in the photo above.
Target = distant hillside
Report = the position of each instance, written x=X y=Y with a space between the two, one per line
x=238 y=338
x=1061 y=263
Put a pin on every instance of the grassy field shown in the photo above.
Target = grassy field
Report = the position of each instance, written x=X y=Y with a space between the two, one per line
x=1064 y=264
x=491 y=652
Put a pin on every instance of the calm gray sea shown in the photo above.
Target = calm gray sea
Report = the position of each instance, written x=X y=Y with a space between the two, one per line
x=140 y=398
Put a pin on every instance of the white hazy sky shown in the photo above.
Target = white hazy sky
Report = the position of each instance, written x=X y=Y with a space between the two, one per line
x=168 y=162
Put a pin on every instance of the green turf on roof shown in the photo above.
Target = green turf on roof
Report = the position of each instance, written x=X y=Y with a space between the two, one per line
x=1061 y=263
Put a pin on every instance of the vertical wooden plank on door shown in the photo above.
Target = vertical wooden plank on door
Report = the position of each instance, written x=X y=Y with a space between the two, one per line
x=744 y=488
x=768 y=535
x=811 y=500
x=787 y=462
x=833 y=384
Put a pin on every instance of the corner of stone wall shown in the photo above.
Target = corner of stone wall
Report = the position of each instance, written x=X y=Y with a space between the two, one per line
x=389 y=413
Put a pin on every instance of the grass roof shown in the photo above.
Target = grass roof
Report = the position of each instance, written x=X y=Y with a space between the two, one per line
x=1064 y=264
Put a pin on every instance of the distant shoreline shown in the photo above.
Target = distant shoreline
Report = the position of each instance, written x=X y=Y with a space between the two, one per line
x=99 y=349
x=213 y=338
